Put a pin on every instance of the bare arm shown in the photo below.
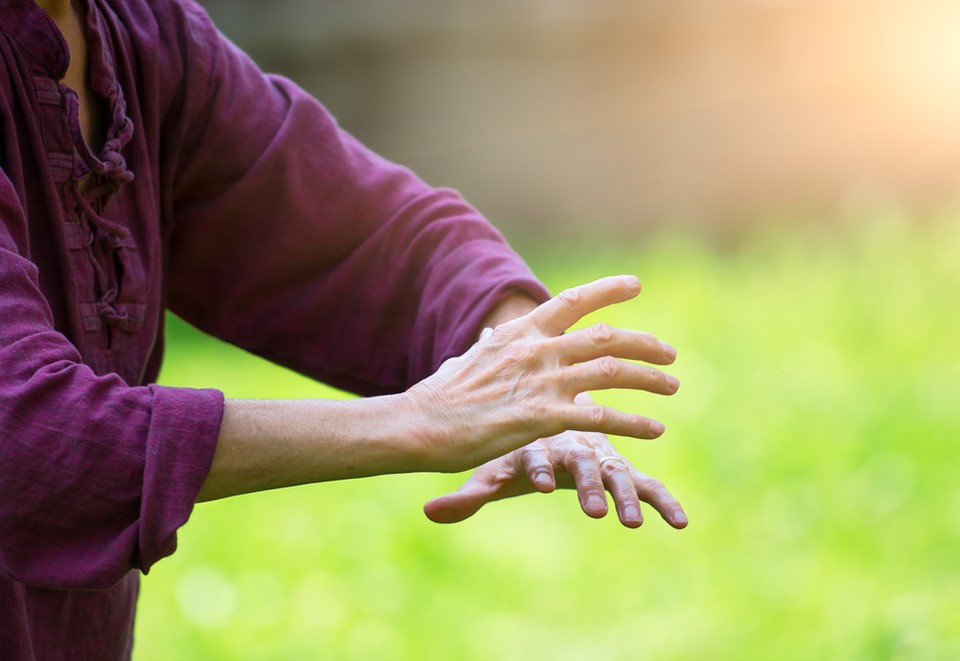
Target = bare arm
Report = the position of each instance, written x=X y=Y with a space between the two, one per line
x=266 y=444
x=511 y=388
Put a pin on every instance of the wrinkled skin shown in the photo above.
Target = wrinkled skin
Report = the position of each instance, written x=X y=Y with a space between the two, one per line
x=526 y=380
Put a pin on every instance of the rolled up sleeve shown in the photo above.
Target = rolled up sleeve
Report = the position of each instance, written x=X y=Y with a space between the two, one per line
x=95 y=475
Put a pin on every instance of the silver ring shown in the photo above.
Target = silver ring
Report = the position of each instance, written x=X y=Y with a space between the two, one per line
x=606 y=459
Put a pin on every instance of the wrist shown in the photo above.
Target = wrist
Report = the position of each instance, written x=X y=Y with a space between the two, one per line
x=425 y=429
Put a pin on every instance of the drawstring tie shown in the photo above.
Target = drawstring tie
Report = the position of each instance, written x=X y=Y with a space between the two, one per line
x=108 y=241
x=106 y=245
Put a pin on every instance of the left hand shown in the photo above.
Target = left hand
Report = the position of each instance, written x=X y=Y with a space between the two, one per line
x=568 y=460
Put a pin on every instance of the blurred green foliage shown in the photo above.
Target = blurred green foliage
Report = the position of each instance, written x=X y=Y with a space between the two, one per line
x=812 y=444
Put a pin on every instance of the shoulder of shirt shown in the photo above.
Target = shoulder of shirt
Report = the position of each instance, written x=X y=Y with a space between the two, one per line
x=171 y=35
x=169 y=16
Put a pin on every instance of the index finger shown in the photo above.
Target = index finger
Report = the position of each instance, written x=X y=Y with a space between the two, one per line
x=569 y=306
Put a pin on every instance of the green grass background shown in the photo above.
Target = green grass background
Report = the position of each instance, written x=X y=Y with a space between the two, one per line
x=813 y=444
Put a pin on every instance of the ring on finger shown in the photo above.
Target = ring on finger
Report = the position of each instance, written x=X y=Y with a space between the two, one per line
x=604 y=460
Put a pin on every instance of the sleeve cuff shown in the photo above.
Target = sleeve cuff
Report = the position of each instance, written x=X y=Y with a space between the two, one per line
x=184 y=428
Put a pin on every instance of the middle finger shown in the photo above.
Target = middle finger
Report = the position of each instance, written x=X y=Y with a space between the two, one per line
x=619 y=482
x=608 y=372
x=599 y=340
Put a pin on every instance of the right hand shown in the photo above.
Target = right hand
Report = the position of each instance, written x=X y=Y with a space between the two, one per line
x=518 y=383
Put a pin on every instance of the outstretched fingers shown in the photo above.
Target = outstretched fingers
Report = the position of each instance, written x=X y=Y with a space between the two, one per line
x=569 y=306
x=609 y=372
x=606 y=420
x=599 y=340
x=651 y=490
x=629 y=487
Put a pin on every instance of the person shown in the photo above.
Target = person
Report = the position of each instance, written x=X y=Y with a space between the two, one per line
x=147 y=164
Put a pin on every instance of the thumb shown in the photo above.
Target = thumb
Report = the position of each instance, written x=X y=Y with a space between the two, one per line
x=459 y=505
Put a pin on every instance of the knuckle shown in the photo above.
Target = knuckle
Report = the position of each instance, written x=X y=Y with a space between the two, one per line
x=568 y=379
x=652 y=485
x=581 y=454
x=654 y=379
x=503 y=332
x=650 y=342
x=608 y=366
x=600 y=334
x=533 y=453
x=599 y=416
x=664 y=383
x=610 y=468
x=569 y=297
x=516 y=353
x=537 y=410
x=591 y=483
x=498 y=332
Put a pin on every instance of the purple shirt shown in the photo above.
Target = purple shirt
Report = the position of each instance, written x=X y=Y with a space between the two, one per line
x=230 y=197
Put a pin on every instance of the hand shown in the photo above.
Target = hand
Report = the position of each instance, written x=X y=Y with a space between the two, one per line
x=569 y=460
x=519 y=382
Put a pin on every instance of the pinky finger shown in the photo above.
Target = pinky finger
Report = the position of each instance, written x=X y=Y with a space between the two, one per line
x=651 y=490
x=595 y=418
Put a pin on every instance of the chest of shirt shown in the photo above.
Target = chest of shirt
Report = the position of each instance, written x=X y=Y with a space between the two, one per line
x=92 y=214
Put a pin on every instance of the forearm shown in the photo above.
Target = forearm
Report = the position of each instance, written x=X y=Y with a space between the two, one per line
x=507 y=390
x=266 y=444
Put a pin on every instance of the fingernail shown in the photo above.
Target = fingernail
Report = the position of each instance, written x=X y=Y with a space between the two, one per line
x=632 y=281
x=673 y=382
x=631 y=513
x=596 y=503
x=543 y=480
x=485 y=333
x=657 y=427
x=680 y=519
x=668 y=350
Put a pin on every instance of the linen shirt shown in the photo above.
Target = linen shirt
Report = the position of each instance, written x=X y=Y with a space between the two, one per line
x=231 y=197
